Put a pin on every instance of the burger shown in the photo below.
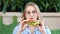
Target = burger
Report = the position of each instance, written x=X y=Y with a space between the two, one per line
x=32 y=22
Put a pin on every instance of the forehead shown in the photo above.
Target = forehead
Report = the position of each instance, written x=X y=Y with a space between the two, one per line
x=30 y=8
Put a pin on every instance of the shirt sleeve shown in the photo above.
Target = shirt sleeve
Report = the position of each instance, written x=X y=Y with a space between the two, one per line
x=16 y=30
x=47 y=31
x=24 y=32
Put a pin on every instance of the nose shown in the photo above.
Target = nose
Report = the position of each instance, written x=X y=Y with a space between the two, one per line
x=31 y=15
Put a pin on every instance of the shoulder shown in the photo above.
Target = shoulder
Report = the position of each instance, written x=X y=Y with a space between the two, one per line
x=16 y=29
x=47 y=30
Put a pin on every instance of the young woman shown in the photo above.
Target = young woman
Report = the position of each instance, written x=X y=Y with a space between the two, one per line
x=32 y=13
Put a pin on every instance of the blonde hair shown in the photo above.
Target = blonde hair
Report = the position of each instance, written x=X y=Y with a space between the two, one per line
x=36 y=7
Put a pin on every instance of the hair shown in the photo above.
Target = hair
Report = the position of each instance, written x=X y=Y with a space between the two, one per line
x=39 y=17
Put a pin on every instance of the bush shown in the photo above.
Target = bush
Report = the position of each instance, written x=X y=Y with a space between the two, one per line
x=18 y=5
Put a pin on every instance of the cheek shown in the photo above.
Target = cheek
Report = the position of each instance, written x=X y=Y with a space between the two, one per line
x=27 y=15
x=35 y=15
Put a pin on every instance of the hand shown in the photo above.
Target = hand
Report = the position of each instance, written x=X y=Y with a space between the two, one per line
x=41 y=27
x=23 y=25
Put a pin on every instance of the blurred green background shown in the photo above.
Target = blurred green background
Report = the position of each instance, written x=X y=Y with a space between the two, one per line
x=7 y=29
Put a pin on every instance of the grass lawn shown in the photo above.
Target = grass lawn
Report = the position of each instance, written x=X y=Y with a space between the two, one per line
x=4 y=29
x=7 y=29
x=57 y=31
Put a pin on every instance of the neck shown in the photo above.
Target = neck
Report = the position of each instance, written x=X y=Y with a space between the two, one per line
x=32 y=28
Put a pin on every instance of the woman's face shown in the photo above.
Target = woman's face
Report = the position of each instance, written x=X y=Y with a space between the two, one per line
x=31 y=13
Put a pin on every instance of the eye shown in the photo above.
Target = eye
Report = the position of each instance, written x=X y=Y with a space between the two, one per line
x=28 y=12
x=34 y=11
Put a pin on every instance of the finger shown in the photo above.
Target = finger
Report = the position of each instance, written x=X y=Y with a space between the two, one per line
x=23 y=22
x=41 y=22
x=38 y=26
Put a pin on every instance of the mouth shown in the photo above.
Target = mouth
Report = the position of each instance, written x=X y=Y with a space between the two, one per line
x=31 y=18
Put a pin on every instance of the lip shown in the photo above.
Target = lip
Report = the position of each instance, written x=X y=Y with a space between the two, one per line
x=31 y=18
